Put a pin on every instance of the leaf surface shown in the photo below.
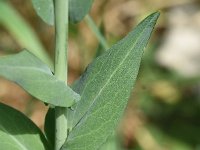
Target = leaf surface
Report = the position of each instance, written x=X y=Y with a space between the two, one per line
x=77 y=10
x=44 y=9
x=36 y=78
x=105 y=88
x=17 y=132
x=49 y=126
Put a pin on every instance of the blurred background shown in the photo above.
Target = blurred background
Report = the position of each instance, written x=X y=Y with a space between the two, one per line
x=164 y=110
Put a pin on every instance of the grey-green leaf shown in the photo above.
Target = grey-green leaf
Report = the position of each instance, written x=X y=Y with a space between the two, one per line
x=77 y=10
x=49 y=126
x=36 y=78
x=45 y=9
x=17 y=132
x=105 y=88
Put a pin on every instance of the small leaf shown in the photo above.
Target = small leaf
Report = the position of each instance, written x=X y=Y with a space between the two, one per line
x=105 y=88
x=49 y=126
x=45 y=9
x=36 y=78
x=17 y=132
x=77 y=10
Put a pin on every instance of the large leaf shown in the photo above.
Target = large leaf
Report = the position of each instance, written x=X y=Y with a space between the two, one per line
x=17 y=132
x=105 y=88
x=36 y=78
x=22 y=32
x=77 y=10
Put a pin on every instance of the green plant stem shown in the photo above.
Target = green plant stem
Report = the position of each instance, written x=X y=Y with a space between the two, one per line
x=96 y=31
x=61 y=29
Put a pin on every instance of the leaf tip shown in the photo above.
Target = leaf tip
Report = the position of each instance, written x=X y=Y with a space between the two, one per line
x=155 y=15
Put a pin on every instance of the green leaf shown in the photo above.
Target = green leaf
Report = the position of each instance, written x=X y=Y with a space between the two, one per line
x=112 y=143
x=105 y=88
x=36 y=78
x=77 y=10
x=45 y=9
x=49 y=126
x=22 y=32
x=17 y=132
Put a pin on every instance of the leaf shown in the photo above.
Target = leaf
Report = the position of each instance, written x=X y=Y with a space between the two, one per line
x=45 y=9
x=105 y=88
x=17 y=132
x=36 y=78
x=49 y=126
x=22 y=32
x=112 y=143
x=77 y=10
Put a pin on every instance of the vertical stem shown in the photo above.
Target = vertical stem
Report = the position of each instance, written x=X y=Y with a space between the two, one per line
x=61 y=31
